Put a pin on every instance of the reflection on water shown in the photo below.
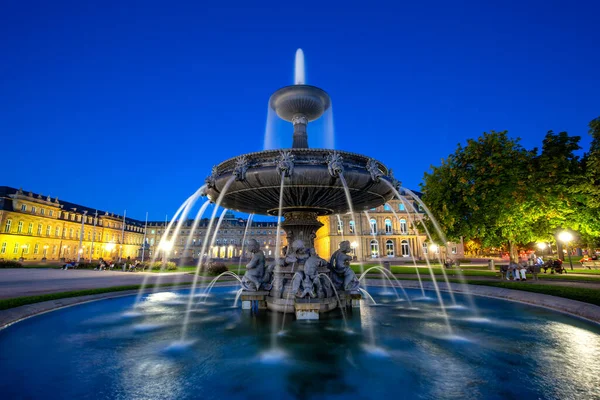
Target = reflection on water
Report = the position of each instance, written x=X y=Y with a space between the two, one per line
x=107 y=350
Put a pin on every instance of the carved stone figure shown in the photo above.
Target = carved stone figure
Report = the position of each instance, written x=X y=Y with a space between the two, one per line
x=298 y=253
x=307 y=282
x=241 y=166
x=212 y=178
x=342 y=275
x=334 y=164
x=374 y=170
x=255 y=269
x=285 y=163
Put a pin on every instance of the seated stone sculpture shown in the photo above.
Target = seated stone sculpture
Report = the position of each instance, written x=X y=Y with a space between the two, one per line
x=307 y=282
x=297 y=255
x=255 y=269
x=342 y=275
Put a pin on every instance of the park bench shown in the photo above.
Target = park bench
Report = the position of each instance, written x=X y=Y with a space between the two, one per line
x=590 y=263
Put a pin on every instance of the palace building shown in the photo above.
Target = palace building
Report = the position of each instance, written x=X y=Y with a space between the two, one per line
x=34 y=227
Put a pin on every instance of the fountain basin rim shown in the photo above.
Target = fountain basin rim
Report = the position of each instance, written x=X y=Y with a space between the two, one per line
x=12 y=316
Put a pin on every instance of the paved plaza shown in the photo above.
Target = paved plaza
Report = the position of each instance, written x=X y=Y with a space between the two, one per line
x=31 y=282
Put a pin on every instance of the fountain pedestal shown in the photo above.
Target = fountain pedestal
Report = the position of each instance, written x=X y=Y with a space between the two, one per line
x=256 y=299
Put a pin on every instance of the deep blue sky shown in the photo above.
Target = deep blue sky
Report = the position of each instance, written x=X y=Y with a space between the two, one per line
x=127 y=105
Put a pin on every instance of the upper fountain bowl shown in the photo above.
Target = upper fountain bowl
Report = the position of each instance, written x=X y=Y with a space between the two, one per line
x=306 y=100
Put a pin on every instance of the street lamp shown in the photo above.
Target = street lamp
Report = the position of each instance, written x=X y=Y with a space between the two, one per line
x=566 y=237
x=23 y=247
x=353 y=246
x=434 y=247
x=542 y=246
x=45 y=250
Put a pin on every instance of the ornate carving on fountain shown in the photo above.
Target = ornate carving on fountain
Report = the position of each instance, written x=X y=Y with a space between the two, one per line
x=335 y=165
x=301 y=225
x=342 y=276
x=374 y=170
x=241 y=166
x=285 y=163
x=299 y=119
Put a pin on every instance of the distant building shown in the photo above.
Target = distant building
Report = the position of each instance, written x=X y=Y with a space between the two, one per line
x=34 y=227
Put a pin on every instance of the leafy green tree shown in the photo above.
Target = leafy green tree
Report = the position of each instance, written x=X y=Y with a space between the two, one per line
x=589 y=189
x=481 y=191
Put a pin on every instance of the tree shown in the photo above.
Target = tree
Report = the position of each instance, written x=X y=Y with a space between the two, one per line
x=589 y=189
x=481 y=191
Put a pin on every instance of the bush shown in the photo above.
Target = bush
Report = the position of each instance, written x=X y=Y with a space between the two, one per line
x=84 y=265
x=158 y=265
x=216 y=268
x=10 y=264
x=464 y=260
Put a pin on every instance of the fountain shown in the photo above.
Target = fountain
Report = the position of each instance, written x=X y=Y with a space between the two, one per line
x=300 y=184
x=186 y=344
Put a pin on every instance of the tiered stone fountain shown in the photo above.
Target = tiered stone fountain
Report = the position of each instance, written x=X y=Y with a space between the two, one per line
x=300 y=184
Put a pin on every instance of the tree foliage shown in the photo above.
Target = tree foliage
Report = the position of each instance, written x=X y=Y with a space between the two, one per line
x=496 y=192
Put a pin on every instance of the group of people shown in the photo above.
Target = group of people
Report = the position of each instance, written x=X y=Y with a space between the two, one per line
x=128 y=266
x=518 y=271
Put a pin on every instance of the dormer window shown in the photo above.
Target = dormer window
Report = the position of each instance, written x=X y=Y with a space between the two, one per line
x=23 y=207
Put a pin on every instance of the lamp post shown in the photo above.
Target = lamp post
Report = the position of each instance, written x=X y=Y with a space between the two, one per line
x=23 y=247
x=165 y=246
x=45 y=250
x=80 y=251
x=566 y=237
x=109 y=247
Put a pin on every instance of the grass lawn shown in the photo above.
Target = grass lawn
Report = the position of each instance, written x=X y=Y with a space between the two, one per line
x=591 y=296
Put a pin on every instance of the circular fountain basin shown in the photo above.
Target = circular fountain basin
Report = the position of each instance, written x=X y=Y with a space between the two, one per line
x=102 y=350
x=309 y=188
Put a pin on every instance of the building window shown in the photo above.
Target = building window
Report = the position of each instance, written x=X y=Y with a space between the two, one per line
x=7 y=226
x=3 y=248
x=425 y=248
x=373 y=226
x=30 y=228
x=16 y=248
x=386 y=207
x=33 y=209
x=36 y=248
x=50 y=213
x=374 y=248
x=401 y=207
x=42 y=211
x=388 y=225
x=340 y=226
x=405 y=248
x=352 y=227
x=20 y=227
x=389 y=248
x=54 y=249
x=70 y=232
x=403 y=227
x=454 y=250
x=39 y=231
x=57 y=231
x=26 y=249
x=23 y=207
x=48 y=229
